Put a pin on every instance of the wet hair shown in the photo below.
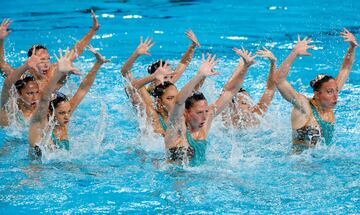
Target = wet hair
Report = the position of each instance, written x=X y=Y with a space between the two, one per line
x=37 y=47
x=24 y=79
x=190 y=101
x=159 y=90
x=319 y=81
x=153 y=67
x=57 y=98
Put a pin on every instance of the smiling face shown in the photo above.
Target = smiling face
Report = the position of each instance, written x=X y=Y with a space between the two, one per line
x=196 y=115
x=327 y=95
x=167 y=100
x=30 y=94
x=63 y=113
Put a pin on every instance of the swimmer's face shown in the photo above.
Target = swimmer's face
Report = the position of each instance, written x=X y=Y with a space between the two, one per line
x=244 y=102
x=44 y=65
x=166 y=77
x=167 y=100
x=30 y=94
x=196 y=115
x=328 y=94
x=63 y=113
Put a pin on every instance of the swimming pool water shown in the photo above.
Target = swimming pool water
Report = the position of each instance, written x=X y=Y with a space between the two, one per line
x=116 y=165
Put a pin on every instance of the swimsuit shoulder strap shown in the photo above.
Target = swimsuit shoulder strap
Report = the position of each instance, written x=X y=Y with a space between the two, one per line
x=162 y=122
x=327 y=128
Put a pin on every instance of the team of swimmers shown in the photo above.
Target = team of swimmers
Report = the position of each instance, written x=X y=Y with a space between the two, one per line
x=182 y=116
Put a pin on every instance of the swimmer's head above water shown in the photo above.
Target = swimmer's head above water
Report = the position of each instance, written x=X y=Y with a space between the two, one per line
x=325 y=90
x=61 y=108
x=196 y=108
x=28 y=90
x=165 y=95
x=242 y=100
x=153 y=67
x=43 y=53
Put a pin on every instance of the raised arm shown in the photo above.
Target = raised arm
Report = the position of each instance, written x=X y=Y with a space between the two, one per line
x=269 y=93
x=142 y=49
x=81 y=44
x=39 y=120
x=159 y=74
x=88 y=80
x=232 y=86
x=348 y=59
x=205 y=70
x=5 y=68
x=186 y=58
x=287 y=91
x=31 y=63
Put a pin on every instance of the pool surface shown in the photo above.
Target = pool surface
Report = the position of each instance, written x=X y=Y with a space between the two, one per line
x=116 y=165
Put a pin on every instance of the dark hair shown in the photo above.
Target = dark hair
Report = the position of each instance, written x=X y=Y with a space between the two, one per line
x=196 y=96
x=159 y=90
x=319 y=80
x=37 y=47
x=57 y=98
x=24 y=79
x=153 y=67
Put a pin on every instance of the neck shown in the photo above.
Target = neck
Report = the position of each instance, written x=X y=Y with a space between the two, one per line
x=163 y=113
x=319 y=107
x=26 y=109
x=191 y=128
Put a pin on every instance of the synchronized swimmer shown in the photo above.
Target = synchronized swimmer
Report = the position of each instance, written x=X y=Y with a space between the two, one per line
x=182 y=116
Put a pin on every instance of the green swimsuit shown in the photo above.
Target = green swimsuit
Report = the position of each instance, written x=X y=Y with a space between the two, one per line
x=327 y=128
x=60 y=144
x=199 y=148
x=162 y=122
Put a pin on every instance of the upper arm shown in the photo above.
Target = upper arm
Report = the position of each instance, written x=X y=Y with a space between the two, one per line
x=290 y=94
x=266 y=100
x=6 y=69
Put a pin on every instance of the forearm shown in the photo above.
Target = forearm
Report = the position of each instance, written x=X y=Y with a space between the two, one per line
x=137 y=84
x=188 y=89
x=186 y=58
x=15 y=76
x=129 y=64
x=81 y=44
x=2 y=52
x=5 y=68
x=285 y=68
x=270 y=84
x=234 y=83
x=90 y=77
x=184 y=62
x=9 y=81
x=346 y=67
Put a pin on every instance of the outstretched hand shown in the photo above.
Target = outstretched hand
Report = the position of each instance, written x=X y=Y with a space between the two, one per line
x=162 y=72
x=4 y=32
x=349 y=37
x=96 y=24
x=302 y=46
x=33 y=61
x=144 y=46
x=266 y=54
x=99 y=58
x=246 y=56
x=206 y=68
x=190 y=34
x=65 y=64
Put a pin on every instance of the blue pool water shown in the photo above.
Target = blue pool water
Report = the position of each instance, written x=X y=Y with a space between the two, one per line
x=116 y=165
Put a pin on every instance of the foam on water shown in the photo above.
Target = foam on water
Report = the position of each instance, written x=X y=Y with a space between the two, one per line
x=116 y=163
